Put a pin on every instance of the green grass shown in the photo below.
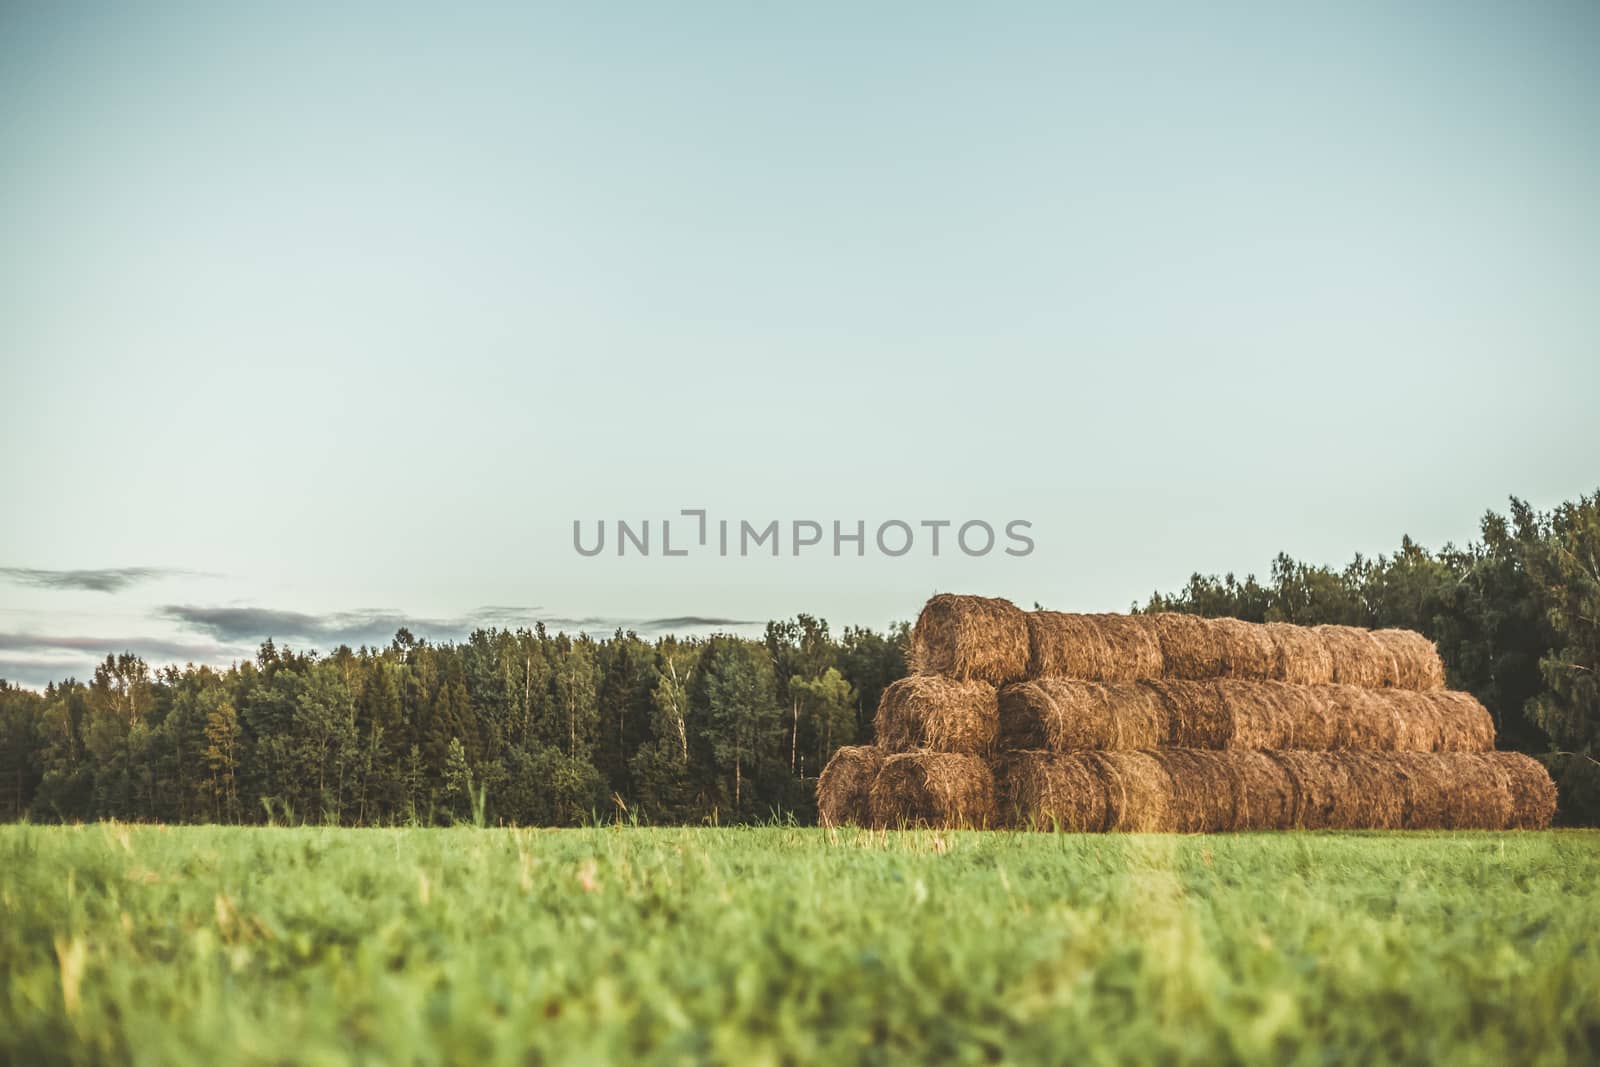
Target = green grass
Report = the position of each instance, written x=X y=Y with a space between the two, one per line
x=307 y=946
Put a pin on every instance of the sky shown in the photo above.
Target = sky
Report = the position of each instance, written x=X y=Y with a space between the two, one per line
x=316 y=320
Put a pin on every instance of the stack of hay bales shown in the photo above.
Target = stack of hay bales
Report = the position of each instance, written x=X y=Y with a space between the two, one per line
x=1175 y=723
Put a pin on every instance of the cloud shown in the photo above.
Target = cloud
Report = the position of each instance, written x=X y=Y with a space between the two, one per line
x=376 y=626
x=148 y=648
x=103 y=580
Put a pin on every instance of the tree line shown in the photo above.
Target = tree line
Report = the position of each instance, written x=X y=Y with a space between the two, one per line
x=531 y=728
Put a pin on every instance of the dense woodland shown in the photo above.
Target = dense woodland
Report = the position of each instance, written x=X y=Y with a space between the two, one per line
x=534 y=728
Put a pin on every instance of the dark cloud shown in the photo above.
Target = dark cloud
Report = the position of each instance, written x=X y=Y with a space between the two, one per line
x=377 y=626
x=147 y=647
x=104 y=580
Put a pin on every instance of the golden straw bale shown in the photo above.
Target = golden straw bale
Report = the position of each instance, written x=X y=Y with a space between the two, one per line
x=845 y=785
x=1361 y=719
x=1247 y=650
x=1138 y=791
x=1050 y=791
x=1203 y=788
x=1299 y=655
x=1321 y=783
x=1416 y=659
x=1419 y=721
x=931 y=711
x=1358 y=659
x=1067 y=645
x=1196 y=713
x=1465 y=724
x=967 y=637
x=1063 y=715
x=1191 y=647
x=1377 y=792
x=1264 y=794
x=1132 y=649
x=1263 y=713
x=1532 y=791
x=941 y=790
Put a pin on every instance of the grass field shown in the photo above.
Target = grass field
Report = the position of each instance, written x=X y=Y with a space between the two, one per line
x=307 y=946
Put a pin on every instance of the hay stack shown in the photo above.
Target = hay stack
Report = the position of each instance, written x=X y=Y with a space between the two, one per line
x=939 y=790
x=1248 y=651
x=967 y=637
x=1190 y=791
x=1061 y=715
x=846 y=784
x=1050 y=791
x=1416 y=659
x=1358 y=658
x=928 y=711
x=1191 y=648
x=1299 y=656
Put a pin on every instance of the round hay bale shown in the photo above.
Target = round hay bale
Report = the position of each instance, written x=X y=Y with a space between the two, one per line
x=938 y=790
x=931 y=711
x=1050 y=791
x=1311 y=715
x=1262 y=713
x=1416 y=659
x=1063 y=715
x=1376 y=796
x=1358 y=659
x=1361 y=719
x=971 y=637
x=1321 y=783
x=1137 y=789
x=1264 y=796
x=1299 y=656
x=1419 y=722
x=1203 y=788
x=1429 y=803
x=1066 y=645
x=845 y=784
x=1530 y=789
x=1132 y=648
x=1247 y=650
x=1465 y=725
x=1197 y=716
x=1191 y=648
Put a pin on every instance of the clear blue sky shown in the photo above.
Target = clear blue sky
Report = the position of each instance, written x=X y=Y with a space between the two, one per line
x=350 y=312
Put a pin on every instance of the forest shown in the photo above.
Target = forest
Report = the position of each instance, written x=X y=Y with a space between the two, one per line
x=524 y=727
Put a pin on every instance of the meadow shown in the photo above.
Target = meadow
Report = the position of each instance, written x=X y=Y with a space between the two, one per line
x=205 y=945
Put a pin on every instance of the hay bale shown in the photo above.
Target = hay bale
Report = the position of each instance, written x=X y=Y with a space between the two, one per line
x=1050 y=791
x=971 y=637
x=1062 y=715
x=1416 y=659
x=1531 y=791
x=1361 y=719
x=1264 y=794
x=1138 y=791
x=1465 y=725
x=1132 y=648
x=931 y=711
x=845 y=785
x=1203 y=789
x=1191 y=648
x=1377 y=791
x=1066 y=645
x=1263 y=713
x=1358 y=658
x=1247 y=650
x=939 y=790
x=1321 y=784
x=1299 y=656
x=1197 y=715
